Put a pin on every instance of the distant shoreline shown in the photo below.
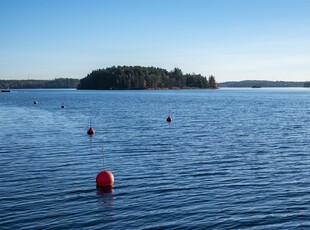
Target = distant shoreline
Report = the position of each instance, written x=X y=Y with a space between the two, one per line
x=71 y=83
x=263 y=84
x=57 y=83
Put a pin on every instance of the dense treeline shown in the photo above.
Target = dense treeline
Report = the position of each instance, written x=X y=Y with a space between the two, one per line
x=137 y=77
x=307 y=84
x=31 y=84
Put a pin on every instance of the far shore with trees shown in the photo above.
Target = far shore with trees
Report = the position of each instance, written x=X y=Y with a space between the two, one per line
x=262 y=83
x=137 y=77
x=60 y=83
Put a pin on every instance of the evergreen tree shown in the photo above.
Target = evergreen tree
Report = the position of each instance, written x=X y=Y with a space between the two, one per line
x=212 y=82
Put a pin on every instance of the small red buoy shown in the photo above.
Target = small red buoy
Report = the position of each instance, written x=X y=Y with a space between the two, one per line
x=62 y=106
x=105 y=179
x=169 y=119
x=90 y=131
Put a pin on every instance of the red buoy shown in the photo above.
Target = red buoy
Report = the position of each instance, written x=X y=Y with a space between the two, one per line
x=62 y=106
x=169 y=119
x=105 y=179
x=90 y=131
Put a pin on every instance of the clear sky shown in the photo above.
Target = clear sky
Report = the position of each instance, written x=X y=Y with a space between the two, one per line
x=230 y=39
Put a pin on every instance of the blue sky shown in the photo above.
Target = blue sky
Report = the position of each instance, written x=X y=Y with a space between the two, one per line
x=230 y=39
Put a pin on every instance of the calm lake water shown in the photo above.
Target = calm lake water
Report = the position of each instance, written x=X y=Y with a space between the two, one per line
x=231 y=159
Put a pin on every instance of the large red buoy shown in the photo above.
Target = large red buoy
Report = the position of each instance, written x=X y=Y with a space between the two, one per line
x=90 y=131
x=105 y=179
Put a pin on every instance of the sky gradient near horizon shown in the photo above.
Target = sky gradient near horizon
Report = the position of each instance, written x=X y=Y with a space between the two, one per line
x=230 y=39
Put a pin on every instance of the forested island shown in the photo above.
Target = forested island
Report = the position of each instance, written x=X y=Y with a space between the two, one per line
x=35 y=84
x=138 y=77
x=261 y=83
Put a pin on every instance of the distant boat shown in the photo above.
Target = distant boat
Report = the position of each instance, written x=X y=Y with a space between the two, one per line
x=5 y=90
x=256 y=86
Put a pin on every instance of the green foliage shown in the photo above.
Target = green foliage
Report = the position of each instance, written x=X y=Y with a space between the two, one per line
x=31 y=84
x=137 y=77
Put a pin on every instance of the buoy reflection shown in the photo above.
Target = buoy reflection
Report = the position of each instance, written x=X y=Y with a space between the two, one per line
x=104 y=190
x=105 y=197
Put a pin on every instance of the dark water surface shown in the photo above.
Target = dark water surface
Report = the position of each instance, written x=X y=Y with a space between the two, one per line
x=231 y=159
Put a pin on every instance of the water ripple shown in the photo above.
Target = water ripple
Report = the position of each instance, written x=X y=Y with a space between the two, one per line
x=231 y=159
